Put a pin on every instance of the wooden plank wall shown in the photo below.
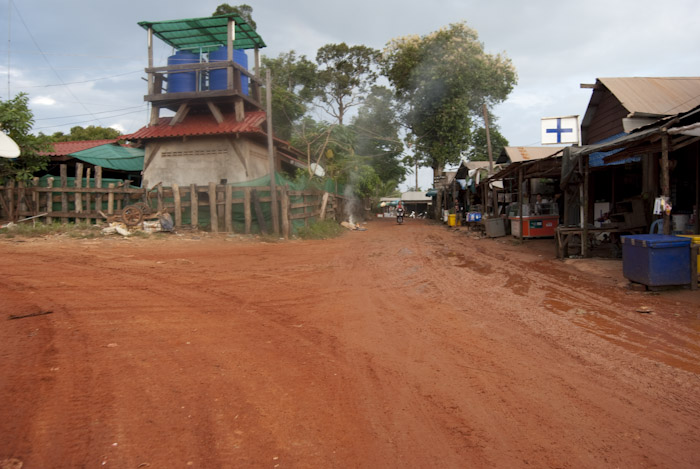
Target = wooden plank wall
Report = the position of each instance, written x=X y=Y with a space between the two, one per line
x=85 y=201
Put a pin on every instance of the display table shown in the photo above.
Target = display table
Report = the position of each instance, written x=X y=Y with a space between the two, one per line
x=564 y=234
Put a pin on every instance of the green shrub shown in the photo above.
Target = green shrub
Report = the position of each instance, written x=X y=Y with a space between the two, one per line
x=322 y=229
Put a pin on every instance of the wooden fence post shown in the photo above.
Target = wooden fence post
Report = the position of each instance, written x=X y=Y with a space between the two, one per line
x=324 y=203
x=35 y=196
x=49 y=200
x=78 y=186
x=88 y=196
x=194 y=207
x=228 y=209
x=246 y=210
x=213 y=214
x=178 y=206
x=161 y=197
x=98 y=184
x=110 y=199
x=284 y=212
x=64 y=193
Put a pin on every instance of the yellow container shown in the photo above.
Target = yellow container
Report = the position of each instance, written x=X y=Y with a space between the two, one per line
x=695 y=239
x=452 y=219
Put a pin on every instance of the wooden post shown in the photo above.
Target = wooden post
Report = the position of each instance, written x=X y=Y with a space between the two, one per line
x=230 y=38
x=488 y=138
x=213 y=215
x=324 y=203
x=271 y=156
x=584 y=234
x=665 y=183
x=246 y=209
x=110 y=199
x=98 y=184
x=178 y=204
x=194 y=207
x=520 y=202
x=284 y=201
x=88 y=196
x=11 y=199
x=49 y=200
x=161 y=197
x=35 y=196
x=228 y=209
x=78 y=185
x=64 y=194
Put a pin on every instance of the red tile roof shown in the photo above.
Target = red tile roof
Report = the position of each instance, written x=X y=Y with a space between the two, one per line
x=66 y=148
x=201 y=124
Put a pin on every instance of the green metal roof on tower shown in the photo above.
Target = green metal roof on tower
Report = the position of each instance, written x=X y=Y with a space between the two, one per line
x=204 y=34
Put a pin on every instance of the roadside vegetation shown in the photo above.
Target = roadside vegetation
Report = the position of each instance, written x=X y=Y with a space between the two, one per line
x=322 y=229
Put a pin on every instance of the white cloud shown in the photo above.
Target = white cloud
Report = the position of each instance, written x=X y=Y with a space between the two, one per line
x=43 y=101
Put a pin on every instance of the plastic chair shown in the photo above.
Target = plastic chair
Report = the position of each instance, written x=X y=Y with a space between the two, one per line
x=657 y=227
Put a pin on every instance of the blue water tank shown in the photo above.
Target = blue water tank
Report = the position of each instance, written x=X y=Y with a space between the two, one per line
x=218 y=78
x=186 y=81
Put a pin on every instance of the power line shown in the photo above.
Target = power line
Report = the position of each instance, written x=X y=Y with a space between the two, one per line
x=86 y=81
x=47 y=60
x=80 y=115
x=90 y=120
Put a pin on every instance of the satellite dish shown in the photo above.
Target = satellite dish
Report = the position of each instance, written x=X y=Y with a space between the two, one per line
x=8 y=147
x=317 y=169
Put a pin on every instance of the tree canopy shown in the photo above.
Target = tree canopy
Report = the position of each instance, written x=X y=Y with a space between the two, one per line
x=16 y=120
x=441 y=82
x=345 y=75
x=90 y=132
x=244 y=11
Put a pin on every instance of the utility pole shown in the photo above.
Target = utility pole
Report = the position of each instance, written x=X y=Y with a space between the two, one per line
x=271 y=155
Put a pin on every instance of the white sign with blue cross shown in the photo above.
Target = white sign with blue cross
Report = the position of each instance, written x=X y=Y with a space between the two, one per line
x=560 y=130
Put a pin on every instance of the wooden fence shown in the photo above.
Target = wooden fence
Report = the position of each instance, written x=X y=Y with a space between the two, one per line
x=217 y=207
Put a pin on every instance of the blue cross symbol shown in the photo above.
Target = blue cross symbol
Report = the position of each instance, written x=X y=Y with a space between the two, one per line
x=559 y=130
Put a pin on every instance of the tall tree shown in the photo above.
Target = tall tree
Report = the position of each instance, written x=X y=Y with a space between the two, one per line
x=479 y=148
x=244 y=11
x=377 y=130
x=293 y=83
x=345 y=76
x=442 y=81
x=16 y=120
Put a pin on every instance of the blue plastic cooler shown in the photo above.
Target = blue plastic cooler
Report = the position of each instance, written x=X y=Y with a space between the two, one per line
x=656 y=260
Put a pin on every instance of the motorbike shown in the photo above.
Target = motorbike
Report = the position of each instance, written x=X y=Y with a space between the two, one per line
x=399 y=215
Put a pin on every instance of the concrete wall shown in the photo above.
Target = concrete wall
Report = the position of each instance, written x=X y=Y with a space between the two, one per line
x=201 y=160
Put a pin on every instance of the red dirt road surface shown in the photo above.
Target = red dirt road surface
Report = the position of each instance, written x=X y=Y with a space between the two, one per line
x=398 y=346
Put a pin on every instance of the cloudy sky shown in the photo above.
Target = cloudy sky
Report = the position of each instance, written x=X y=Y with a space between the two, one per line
x=82 y=61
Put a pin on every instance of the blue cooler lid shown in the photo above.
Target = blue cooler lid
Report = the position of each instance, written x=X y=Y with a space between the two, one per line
x=656 y=241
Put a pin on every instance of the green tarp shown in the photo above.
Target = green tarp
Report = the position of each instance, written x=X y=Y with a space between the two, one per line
x=204 y=34
x=113 y=157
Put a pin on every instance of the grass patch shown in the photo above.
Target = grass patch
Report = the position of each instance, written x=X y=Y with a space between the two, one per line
x=322 y=229
x=38 y=230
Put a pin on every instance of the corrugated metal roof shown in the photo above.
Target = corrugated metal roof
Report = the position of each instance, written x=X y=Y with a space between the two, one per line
x=519 y=154
x=201 y=124
x=66 y=148
x=662 y=96
x=414 y=196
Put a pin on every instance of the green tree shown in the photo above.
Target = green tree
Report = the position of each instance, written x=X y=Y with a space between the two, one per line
x=479 y=148
x=377 y=130
x=345 y=76
x=16 y=120
x=244 y=11
x=293 y=83
x=441 y=81
x=90 y=132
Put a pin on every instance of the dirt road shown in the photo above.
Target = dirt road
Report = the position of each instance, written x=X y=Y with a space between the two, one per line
x=399 y=346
